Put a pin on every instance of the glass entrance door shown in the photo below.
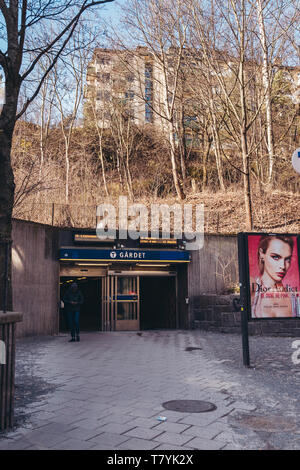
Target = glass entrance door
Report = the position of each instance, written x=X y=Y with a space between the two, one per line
x=120 y=303
x=127 y=303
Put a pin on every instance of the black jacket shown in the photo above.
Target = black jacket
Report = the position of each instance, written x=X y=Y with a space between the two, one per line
x=73 y=296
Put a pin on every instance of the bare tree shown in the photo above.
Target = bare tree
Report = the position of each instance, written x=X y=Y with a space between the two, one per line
x=161 y=28
x=67 y=81
x=96 y=119
x=24 y=23
x=229 y=28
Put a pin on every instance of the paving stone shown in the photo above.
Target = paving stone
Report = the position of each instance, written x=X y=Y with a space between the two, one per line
x=34 y=423
x=36 y=447
x=116 y=428
x=138 y=444
x=243 y=406
x=205 y=444
x=143 y=413
x=110 y=439
x=57 y=428
x=88 y=424
x=208 y=432
x=43 y=415
x=44 y=439
x=227 y=436
x=144 y=422
x=199 y=419
x=93 y=416
x=231 y=446
x=171 y=447
x=66 y=419
x=74 y=444
x=103 y=447
x=118 y=418
x=82 y=433
x=172 y=416
x=172 y=438
x=172 y=427
x=143 y=433
x=17 y=444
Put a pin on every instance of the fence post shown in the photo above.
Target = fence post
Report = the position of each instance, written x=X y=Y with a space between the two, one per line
x=7 y=367
x=7 y=351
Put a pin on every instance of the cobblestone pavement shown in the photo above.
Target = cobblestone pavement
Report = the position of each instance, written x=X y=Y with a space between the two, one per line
x=107 y=391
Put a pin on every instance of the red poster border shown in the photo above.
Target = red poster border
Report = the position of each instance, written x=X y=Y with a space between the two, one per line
x=244 y=272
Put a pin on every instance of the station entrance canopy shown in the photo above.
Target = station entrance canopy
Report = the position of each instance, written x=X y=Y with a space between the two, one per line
x=123 y=255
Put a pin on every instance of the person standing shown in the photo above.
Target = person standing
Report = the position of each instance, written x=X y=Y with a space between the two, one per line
x=73 y=300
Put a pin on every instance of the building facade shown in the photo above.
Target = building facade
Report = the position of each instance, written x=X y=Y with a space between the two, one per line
x=142 y=84
x=125 y=82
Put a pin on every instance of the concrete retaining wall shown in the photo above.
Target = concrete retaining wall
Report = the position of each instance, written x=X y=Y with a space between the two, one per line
x=212 y=270
x=35 y=275
x=215 y=313
x=215 y=267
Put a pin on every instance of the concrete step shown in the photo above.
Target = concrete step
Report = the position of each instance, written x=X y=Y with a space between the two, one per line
x=206 y=325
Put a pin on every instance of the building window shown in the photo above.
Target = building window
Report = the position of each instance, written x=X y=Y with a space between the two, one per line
x=130 y=78
x=103 y=95
x=103 y=60
x=129 y=95
x=105 y=77
x=148 y=93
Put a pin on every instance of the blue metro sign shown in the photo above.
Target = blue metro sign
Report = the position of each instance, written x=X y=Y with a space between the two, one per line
x=130 y=255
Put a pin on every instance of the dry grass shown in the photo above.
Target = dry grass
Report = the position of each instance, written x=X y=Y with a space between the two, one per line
x=224 y=211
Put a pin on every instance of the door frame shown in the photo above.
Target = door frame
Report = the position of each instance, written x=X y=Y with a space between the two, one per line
x=110 y=301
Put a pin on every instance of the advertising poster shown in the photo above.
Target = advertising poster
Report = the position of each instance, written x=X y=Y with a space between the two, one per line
x=274 y=276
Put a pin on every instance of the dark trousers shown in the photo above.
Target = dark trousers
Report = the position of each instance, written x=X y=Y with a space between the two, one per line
x=73 y=318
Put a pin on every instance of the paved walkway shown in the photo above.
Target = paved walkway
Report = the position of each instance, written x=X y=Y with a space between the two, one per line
x=107 y=391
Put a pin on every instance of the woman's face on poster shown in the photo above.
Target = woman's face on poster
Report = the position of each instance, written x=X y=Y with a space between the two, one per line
x=277 y=259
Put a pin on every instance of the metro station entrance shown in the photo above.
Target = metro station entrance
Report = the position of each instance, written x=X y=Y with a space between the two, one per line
x=127 y=288
x=139 y=302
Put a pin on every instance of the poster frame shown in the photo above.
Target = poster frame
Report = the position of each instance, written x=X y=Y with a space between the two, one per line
x=244 y=272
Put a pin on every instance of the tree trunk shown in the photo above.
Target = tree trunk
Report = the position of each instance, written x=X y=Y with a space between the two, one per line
x=205 y=160
x=217 y=149
x=102 y=165
x=183 y=150
x=128 y=176
x=7 y=186
x=177 y=185
x=246 y=179
x=243 y=134
x=218 y=159
x=267 y=87
x=67 y=173
x=245 y=156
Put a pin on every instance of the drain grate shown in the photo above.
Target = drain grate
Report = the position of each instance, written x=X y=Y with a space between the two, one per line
x=189 y=406
x=191 y=348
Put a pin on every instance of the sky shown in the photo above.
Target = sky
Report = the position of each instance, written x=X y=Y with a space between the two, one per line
x=112 y=10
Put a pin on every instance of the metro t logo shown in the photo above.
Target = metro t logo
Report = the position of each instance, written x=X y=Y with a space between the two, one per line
x=2 y=352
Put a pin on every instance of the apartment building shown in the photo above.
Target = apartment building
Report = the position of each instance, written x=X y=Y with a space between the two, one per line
x=125 y=82
x=136 y=83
